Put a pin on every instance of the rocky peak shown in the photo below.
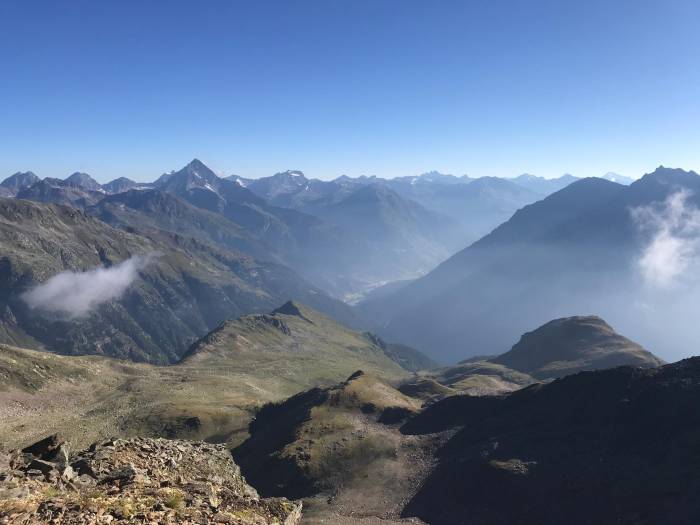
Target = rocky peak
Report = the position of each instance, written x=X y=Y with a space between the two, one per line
x=294 y=175
x=196 y=166
x=291 y=308
x=195 y=174
x=119 y=185
x=84 y=181
x=670 y=176
x=20 y=180
x=137 y=480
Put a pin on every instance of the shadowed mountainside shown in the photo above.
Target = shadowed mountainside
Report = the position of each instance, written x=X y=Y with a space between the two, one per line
x=340 y=449
x=610 y=446
x=188 y=289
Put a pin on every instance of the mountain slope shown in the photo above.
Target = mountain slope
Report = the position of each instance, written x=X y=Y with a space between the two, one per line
x=201 y=187
x=212 y=394
x=399 y=238
x=339 y=448
x=544 y=186
x=147 y=210
x=578 y=250
x=477 y=205
x=60 y=192
x=312 y=247
x=188 y=288
x=84 y=181
x=18 y=181
x=612 y=446
x=620 y=179
x=573 y=344
x=558 y=348
x=477 y=377
x=120 y=185
x=264 y=344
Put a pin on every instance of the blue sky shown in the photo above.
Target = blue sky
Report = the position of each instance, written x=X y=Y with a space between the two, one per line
x=136 y=88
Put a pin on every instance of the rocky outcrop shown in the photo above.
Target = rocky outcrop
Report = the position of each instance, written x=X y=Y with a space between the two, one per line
x=134 y=481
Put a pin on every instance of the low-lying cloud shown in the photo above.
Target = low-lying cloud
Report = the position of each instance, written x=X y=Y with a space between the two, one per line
x=674 y=242
x=76 y=294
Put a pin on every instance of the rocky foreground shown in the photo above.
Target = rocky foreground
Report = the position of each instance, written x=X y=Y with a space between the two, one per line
x=134 y=481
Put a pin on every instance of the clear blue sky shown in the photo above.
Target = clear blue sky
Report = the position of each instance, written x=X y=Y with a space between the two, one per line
x=491 y=87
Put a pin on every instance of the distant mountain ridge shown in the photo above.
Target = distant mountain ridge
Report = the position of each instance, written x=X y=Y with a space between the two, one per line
x=14 y=183
x=189 y=288
x=473 y=206
x=404 y=226
x=542 y=185
x=578 y=249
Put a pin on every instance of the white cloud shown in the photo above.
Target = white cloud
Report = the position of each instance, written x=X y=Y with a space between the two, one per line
x=76 y=294
x=674 y=239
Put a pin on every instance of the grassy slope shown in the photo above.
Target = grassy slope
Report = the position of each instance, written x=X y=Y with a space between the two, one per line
x=335 y=448
x=227 y=376
x=475 y=378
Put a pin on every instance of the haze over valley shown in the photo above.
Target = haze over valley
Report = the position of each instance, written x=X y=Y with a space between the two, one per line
x=349 y=263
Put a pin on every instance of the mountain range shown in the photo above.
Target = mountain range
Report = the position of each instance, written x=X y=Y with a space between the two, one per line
x=403 y=226
x=184 y=288
x=364 y=448
x=317 y=411
x=594 y=246
x=211 y=392
x=474 y=205
x=198 y=307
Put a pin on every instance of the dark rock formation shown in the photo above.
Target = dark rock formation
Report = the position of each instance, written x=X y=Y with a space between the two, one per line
x=610 y=446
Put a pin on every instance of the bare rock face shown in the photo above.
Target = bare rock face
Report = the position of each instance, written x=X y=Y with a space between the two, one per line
x=134 y=481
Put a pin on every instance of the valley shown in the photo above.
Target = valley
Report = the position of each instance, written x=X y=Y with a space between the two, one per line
x=353 y=426
x=203 y=315
x=349 y=263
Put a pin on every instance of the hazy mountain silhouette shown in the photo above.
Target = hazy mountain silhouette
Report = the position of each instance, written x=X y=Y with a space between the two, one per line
x=578 y=250
x=14 y=183
x=151 y=312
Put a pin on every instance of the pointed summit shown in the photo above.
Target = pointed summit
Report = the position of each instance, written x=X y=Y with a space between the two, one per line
x=19 y=181
x=197 y=168
x=289 y=308
x=196 y=164
x=119 y=185
x=196 y=174
x=84 y=181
